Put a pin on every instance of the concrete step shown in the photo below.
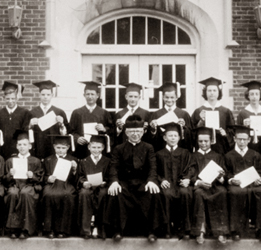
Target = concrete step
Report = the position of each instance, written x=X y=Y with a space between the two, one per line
x=40 y=243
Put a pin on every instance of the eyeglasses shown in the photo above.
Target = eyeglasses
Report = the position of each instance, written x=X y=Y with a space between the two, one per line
x=134 y=131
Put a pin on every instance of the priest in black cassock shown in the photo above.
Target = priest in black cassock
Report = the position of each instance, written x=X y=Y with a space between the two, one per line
x=133 y=97
x=133 y=190
x=89 y=113
x=43 y=145
x=212 y=93
x=12 y=117
x=171 y=93
x=245 y=200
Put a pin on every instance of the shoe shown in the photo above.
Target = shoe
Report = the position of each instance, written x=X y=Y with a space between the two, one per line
x=87 y=236
x=200 y=239
x=236 y=237
x=13 y=236
x=60 y=236
x=186 y=237
x=222 y=239
x=50 y=235
x=117 y=237
x=152 y=238
x=22 y=236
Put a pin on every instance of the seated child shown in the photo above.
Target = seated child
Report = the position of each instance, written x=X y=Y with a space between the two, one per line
x=242 y=199
x=59 y=196
x=22 y=194
x=210 y=200
x=91 y=198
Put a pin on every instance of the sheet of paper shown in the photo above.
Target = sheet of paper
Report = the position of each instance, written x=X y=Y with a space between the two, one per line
x=212 y=119
x=95 y=179
x=255 y=123
x=47 y=121
x=247 y=176
x=210 y=172
x=89 y=129
x=123 y=119
x=167 y=118
x=62 y=169
x=21 y=168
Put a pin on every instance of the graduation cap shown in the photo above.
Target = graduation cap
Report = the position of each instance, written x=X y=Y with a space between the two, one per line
x=91 y=85
x=102 y=138
x=252 y=85
x=20 y=134
x=170 y=86
x=134 y=121
x=172 y=126
x=238 y=129
x=48 y=84
x=10 y=87
x=206 y=131
x=212 y=81
x=64 y=140
x=132 y=86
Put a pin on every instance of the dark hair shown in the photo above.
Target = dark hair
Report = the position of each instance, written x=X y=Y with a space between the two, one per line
x=247 y=95
x=204 y=93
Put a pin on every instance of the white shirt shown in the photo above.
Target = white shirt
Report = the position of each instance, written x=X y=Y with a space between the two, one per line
x=170 y=109
x=94 y=160
x=45 y=108
x=60 y=156
x=207 y=105
x=239 y=150
x=134 y=144
x=10 y=111
x=204 y=152
x=250 y=109
x=91 y=108
x=132 y=108
x=169 y=148
x=23 y=156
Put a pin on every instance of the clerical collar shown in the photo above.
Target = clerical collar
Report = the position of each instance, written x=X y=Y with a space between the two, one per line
x=204 y=152
x=237 y=149
x=10 y=111
x=134 y=144
x=250 y=109
x=60 y=156
x=169 y=148
x=132 y=108
x=91 y=107
x=45 y=108
x=207 y=105
x=93 y=157
x=24 y=156
x=172 y=108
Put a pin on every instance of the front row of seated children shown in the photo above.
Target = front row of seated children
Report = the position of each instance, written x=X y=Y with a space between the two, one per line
x=192 y=206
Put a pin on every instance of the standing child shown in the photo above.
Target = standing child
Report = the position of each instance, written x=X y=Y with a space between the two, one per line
x=22 y=194
x=59 y=197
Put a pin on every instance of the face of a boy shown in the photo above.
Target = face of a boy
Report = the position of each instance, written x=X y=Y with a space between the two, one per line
x=46 y=96
x=91 y=96
x=95 y=148
x=132 y=98
x=61 y=149
x=242 y=139
x=23 y=146
x=172 y=138
x=204 y=142
x=170 y=98
x=11 y=100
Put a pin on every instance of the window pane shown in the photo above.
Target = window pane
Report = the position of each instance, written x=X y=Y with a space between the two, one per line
x=97 y=72
x=138 y=30
x=153 y=31
x=123 y=73
x=94 y=37
x=181 y=74
x=183 y=37
x=110 y=74
x=169 y=33
x=123 y=31
x=166 y=73
x=181 y=102
x=110 y=98
x=108 y=30
x=122 y=101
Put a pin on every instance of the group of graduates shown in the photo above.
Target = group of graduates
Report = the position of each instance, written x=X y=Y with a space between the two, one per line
x=150 y=179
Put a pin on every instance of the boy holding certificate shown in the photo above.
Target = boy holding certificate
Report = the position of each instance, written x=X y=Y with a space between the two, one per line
x=59 y=193
x=242 y=199
x=174 y=178
x=92 y=187
x=210 y=196
x=23 y=182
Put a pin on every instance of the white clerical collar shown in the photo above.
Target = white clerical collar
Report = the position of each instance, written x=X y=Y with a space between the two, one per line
x=10 y=111
x=134 y=143
x=132 y=108
x=207 y=105
x=60 y=156
x=172 y=108
x=93 y=157
x=240 y=150
x=250 y=109
x=91 y=107
x=204 y=152
x=24 y=156
x=45 y=108
x=169 y=148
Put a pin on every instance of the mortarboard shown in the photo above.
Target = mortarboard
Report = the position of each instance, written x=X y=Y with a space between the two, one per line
x=241 y=129
x=63 y=139
x=21 y=134
x=102 y=138
x=206 y=131
x=48 y=84
x=10 y=87
x=252 y=85
x=132 y=86
x=134 y=121
x=172 y=126
x=170 y=86
x=211 y=81
x=91 y=85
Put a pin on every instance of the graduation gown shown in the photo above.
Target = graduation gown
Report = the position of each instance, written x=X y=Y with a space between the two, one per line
x=213 y=200
x=145 y=116
x=82 y=115
x=91 y=200
x=2 y=191
x=19 y=119
x=43 y=146
x=133 y=167
x=223 y=143
x=22 y=196
x=59 y=199
x=173 y=167
x=241 y=199
x=157 y=139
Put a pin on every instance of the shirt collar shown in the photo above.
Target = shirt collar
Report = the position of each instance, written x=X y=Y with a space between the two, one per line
x=60 y=157
x=93 y=158
x=207 y=105
x=204 y=152
x=250 y=109
x=239 y=150
x=134 y=108
x=169 y=148
x=45 y=108
x=24 y=156
x=134 y=144
x=172 y=107
x=91 y=107
x=11 y=110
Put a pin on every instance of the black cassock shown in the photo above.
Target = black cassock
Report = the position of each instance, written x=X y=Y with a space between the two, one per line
x=43 y=146
x=19 y=119
x=59 y=199
x=133 y=167
x=223 y=143
x=242 y=199
x=91 y=200
x=22 y=196
x=82 y=115
x=173 y=167
x=157 y=139
x=209 y=205
x=145 y=116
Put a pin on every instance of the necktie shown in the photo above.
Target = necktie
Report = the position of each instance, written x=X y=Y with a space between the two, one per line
x=132 y=111
x=96 y=159
x=242 y=153
x=171 y=149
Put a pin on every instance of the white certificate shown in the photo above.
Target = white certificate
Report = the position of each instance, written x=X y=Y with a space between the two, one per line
x=167 y=118
x=123 y=119
x=89 y=129
x=95 y=179
x=62 y=169
x=210 y=172
x=47 y=121
x=21 y=168
x=255 y=123
x=247 y=176
x=212 y=119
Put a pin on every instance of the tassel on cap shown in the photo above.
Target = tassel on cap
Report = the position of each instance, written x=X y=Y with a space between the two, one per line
x=1 y=138
x=72 y=142
x=31 y=135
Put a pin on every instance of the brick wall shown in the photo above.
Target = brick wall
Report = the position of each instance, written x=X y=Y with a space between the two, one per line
x=22 y=61
x=246 y=60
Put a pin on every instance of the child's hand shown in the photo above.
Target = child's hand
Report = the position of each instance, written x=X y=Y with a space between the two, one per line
x=154 y=124
x=51 y=179
x=12 y=172
x=87 y=185
x=30 y=174
x=257 y=182
x=119 y=124
x=222 y=132
x=202 y=115
x=74 y=166
x=181 y=122
x=165 y=184
x=33 y=121
x=59 y=119
x=246 y=122
x=184 y=182
x=204 y=185
x=100 y=127
x=221 y=174
x=103 y=184
x=235 y=182
x=82 y=141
